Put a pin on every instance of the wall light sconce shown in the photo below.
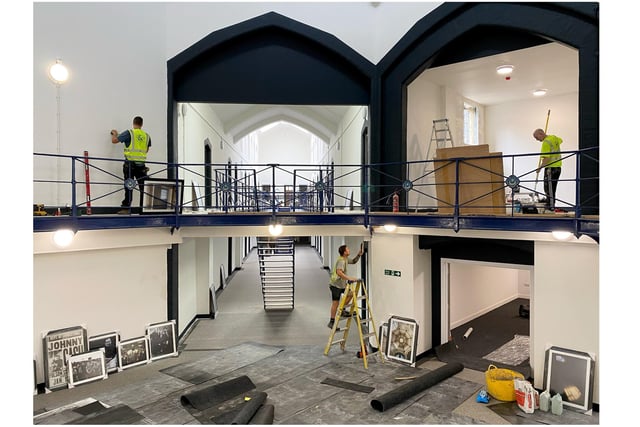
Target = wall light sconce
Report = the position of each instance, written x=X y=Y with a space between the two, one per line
x=539 y=92
x=390 y=228
x=275 y=229
x=561 y=235
x=503 y=70
x=63 y=237
x=58 y=73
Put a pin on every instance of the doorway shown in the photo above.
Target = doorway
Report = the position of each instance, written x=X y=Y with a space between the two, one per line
x=482 y=311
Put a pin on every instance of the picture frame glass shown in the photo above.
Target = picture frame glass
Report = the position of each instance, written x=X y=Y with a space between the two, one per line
x=570 y=374
x=87 y=367
x=161 y=195
x=58 y=345
x=162 y=340
x=402 y=340
x=109 y=342
x=133 y=352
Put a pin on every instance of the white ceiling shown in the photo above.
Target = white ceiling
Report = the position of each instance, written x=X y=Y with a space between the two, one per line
x=551 y=66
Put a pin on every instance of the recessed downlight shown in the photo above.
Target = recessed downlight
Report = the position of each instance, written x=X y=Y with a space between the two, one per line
x=503 y=70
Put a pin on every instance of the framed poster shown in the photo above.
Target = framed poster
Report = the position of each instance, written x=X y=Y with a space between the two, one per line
x=161 y=196
x=86 y=367
x=402 y=340
x=57 y=346
x=570 y=373
x=162 y=340
x=109 y=342
x=133 y=352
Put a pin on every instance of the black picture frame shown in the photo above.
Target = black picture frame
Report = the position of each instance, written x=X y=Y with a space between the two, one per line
x=161 y=196
x=109 y=341
x=57 y=346
x=162 y=340
x=570 y=373
x=402 y=340
x=87 y=367
x=133 y=352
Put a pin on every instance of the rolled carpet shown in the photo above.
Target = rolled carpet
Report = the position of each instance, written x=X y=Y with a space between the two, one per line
x=207 y=397
x=249 y=408
x=423 y=382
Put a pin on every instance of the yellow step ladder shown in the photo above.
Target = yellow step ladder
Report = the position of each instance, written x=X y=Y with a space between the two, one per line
x=355 y=315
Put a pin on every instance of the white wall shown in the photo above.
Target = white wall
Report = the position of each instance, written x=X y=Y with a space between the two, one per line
x=100 y=284
x=404 y=296
x=565 y=303
x=509 y=129
x=477 y=288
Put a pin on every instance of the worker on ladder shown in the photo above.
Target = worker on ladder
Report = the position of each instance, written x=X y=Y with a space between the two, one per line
x=339 y=280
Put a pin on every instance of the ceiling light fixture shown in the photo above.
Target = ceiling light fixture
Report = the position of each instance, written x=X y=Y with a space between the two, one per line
x=389 y=228
x=63 y=237
x=503 y=70
x=561 y=235
x=539 y=92
x=275 y=229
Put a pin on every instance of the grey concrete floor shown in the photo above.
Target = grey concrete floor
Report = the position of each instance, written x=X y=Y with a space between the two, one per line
x=283 y=354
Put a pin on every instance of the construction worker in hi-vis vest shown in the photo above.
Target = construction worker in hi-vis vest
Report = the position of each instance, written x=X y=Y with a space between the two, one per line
x=136 y=146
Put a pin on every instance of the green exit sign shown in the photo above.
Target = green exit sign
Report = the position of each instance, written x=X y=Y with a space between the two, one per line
x=394 y=273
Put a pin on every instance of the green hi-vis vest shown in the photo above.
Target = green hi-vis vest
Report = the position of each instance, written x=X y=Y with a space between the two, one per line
x=551 y=149
x=137 y=149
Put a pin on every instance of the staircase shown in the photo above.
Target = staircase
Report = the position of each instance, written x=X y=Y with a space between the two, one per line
x=276 y=258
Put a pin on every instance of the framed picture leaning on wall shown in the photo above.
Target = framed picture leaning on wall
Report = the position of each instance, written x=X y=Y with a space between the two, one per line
x=133 y=352
x=57 y=346
x=86 y=367
x=161 y=196
x=109 y=341
x=402 y=340
x=570 y=373
x=162 y=340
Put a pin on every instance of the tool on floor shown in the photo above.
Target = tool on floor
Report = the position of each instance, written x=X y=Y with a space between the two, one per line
x=354 y=315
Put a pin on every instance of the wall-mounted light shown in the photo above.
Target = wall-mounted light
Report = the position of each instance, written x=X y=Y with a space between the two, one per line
x=390 y=228
x=63 y=237
x=275 y=229
x=504 y=70
x=561 y=235
x=539 y=92
x=58 y=73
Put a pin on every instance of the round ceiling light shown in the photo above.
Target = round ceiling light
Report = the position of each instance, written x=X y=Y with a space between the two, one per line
x=539 y=92
x=504 y=69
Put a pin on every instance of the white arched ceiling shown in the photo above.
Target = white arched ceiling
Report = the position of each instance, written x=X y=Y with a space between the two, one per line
x=240 y=120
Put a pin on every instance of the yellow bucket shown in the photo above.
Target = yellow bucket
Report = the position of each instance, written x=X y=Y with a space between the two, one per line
x=500 y=383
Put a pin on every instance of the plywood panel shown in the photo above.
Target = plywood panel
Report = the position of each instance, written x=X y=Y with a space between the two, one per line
x=480 y=189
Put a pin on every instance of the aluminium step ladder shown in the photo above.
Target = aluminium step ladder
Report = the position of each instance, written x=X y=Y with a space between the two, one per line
x=276 y=258
x=364 y=325
x=440 y=136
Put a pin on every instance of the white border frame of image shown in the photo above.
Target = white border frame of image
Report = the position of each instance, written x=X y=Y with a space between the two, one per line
x=115 y=334
x=174 y=343
x=82 y=357
x=587 y=408
x=131 y=341
x=414 y=341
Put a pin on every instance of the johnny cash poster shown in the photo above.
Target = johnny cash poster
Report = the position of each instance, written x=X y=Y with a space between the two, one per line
x=58 y=345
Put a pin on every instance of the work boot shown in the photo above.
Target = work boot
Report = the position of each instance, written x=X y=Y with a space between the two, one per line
x=345 y=313
x=331 y=323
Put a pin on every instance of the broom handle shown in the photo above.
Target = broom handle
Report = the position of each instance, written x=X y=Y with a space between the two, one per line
x=546 y=125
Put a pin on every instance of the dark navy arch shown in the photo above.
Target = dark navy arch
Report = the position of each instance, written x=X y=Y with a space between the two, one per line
x=270 y=59
x=489 y=28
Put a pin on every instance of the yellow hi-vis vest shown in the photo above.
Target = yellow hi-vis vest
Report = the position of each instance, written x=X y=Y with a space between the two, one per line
x=137 y=149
